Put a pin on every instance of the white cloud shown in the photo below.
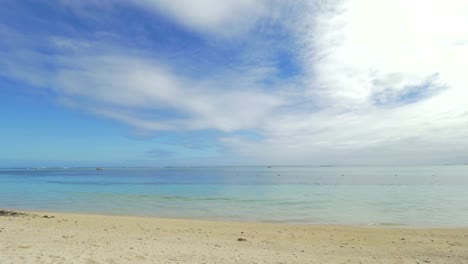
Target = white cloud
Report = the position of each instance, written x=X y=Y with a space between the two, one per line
x=222 y=17
x=388 y=84
x=365 y=48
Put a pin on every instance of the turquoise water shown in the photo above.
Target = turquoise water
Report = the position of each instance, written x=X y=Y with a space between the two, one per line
x=414 y=196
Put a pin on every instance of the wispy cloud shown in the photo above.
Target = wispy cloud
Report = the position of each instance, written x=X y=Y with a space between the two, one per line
x=211 y=16
x=119 y=87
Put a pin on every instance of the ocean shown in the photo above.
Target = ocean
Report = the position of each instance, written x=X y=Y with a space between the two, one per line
x=425 y=196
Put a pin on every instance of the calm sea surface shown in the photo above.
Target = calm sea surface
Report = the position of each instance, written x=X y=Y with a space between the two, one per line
x=414 y=196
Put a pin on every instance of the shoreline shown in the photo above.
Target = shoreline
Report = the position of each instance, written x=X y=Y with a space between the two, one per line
x=45 y=237
x=247 y=221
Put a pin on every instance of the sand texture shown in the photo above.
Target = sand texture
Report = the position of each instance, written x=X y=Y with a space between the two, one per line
x=77 y=238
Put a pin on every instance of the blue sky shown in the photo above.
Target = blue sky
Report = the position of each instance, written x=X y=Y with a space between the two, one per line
x=191 y=82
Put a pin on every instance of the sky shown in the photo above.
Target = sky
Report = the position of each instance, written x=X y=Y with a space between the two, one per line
x=233 y=82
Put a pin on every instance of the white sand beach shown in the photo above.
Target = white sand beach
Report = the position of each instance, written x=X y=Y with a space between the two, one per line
x=39 y=237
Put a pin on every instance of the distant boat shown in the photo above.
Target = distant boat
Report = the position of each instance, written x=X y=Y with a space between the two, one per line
x=97 y=168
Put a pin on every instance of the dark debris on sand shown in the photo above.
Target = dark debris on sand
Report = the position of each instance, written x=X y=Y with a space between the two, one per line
x=10 y=213
x=46 y=216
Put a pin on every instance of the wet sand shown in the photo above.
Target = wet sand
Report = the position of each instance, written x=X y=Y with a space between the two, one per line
x=78 y=238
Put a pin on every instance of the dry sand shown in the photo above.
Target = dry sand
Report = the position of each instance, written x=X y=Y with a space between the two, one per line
x=76 y=238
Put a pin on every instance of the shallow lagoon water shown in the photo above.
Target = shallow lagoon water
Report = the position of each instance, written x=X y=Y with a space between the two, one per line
x=358 y=195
